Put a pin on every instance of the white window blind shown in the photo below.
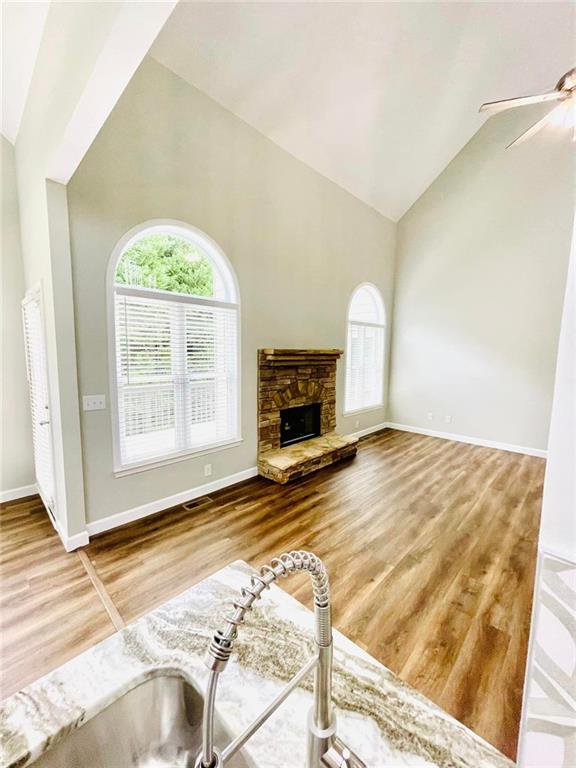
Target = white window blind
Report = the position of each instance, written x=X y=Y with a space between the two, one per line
x=175 y=350
x=365 y=350
x=177 y=374
x=37 y=373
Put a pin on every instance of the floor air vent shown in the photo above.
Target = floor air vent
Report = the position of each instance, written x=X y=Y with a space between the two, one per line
x=201 y=501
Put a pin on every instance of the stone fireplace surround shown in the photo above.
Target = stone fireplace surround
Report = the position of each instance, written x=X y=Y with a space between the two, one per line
x=288 y=378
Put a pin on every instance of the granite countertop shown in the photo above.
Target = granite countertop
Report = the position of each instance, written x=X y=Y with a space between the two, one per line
x=384 y=720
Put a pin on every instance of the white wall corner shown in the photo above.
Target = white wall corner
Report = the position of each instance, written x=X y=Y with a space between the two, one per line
x=558 y=523
x=69 y=477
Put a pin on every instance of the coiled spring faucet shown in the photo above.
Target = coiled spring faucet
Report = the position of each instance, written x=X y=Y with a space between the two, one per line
x=325 y=750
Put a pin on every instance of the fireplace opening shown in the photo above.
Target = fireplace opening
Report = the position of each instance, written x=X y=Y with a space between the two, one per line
x=300 y=423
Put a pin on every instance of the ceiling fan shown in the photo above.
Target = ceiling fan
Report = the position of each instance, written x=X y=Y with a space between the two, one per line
x=563 y=113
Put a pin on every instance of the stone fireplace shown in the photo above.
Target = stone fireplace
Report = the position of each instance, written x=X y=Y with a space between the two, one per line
x=297 y=413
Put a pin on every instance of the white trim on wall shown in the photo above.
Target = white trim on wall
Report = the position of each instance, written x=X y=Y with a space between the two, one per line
x=136 y=513
x=540 y=452
x=160 y=505
x=18 y=493
x=371 y=430
x=143 y=466
x=70 y=543
x=74 y=542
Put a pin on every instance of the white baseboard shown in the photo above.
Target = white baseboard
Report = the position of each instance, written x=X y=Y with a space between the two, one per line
x=370 y=430
x=18 y=493
x=136 y=513
x=74 y=542
x=70 y=543
x=541 y=453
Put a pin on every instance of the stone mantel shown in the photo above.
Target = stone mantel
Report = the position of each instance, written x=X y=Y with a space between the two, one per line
x=292 y=357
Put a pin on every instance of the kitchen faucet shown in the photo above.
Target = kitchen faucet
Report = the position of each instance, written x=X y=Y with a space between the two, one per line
x=325 y=749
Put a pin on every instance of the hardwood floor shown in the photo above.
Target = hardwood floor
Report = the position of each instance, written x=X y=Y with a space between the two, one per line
x=49 y=611
x=430 y=546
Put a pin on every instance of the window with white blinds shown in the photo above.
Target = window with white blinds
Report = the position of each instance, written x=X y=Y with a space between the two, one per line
x=37 y=373
x=365 y=350
x=177 y=377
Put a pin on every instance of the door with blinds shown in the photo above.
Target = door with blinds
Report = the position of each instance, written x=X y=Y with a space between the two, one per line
x=37 y=372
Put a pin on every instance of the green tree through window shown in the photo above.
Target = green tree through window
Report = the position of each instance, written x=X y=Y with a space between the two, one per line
x=167 y=263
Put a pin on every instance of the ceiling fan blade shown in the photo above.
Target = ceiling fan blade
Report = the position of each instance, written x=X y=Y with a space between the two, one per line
x=499 y=106
x=548 y=118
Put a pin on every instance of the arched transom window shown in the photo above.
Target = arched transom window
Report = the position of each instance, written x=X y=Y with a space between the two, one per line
x=365 y=349
x=175 y=345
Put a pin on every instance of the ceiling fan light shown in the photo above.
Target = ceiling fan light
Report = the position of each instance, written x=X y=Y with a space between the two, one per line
x=564 y=115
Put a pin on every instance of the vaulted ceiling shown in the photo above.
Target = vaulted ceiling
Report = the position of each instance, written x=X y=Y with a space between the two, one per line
x=378 y=97
x=21 y=34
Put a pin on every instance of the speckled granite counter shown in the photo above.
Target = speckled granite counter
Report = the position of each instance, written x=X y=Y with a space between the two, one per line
x=384 y=720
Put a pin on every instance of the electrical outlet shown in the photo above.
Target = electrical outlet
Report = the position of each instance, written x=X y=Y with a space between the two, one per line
x=448 y=419
x=94 y=402
x=357 y=423
x=430 y=416
x=207 y=470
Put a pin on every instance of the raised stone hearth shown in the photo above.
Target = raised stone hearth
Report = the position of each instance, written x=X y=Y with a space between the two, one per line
x=289 y=378
x=286 y=464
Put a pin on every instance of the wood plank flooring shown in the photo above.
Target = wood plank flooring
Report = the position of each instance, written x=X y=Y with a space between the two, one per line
x=430 y=546
x=49 y=610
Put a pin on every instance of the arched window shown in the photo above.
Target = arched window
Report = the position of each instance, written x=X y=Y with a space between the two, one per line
x=175 y=351
x=365 y=349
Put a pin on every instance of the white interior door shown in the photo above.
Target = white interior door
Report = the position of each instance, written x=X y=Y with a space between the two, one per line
x=37 y=370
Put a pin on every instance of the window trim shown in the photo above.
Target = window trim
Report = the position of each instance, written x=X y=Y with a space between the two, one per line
x=206 y=243
x=172 y=458
x=383 y=325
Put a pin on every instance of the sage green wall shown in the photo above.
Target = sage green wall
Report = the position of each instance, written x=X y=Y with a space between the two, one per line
x=480 y=275
x=16 y=459
x=299 y=245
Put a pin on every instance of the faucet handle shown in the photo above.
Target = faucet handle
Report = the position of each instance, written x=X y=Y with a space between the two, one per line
x=340 y=756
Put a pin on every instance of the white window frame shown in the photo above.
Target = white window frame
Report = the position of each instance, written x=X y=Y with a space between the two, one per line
x=365 y=409
x=216 y=254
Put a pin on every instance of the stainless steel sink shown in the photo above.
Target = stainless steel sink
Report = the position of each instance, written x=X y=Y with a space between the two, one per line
x=158 y=724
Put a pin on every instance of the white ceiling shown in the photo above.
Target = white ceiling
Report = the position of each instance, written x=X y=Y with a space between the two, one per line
x=22 y=28
x=68 y=63
x=378 y=97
